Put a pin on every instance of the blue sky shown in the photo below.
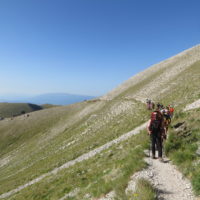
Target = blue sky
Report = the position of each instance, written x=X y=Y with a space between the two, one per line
x=89 y=46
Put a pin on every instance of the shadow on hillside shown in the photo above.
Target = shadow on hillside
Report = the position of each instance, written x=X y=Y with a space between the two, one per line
x=35 y=107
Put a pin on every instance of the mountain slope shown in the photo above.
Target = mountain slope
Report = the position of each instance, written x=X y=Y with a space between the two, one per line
x=49 y=138
x=157 y=79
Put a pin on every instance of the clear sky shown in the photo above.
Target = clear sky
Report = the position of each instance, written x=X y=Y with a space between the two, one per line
x=89 y=46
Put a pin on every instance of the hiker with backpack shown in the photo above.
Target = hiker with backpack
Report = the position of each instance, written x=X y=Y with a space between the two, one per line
x=167 y=119
x=155 y=129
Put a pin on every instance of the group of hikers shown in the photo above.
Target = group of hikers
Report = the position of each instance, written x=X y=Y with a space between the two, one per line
x=158 y=126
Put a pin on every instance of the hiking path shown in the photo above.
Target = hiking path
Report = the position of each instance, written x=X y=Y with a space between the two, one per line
x=169 y=183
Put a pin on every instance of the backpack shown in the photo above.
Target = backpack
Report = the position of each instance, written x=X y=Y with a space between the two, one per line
x=167 y=120
x=156 y=121
x=171 y=110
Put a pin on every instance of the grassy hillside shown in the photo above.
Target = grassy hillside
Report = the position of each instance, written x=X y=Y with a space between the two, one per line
x=14 y=109
x=183 y=146
x=52 y=141
x=30 y=147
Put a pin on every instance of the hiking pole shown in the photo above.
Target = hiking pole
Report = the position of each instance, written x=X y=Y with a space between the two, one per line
x=163 y=147
x=149 y=145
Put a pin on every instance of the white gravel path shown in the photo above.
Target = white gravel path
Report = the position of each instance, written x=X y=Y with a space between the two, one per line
x=193 y=105
x=165 y=177
x=70 y=194
x=83 y=157
x=168 y=181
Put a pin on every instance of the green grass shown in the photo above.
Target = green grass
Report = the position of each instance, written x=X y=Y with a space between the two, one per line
x=182 y=145
x=50 y=155
x=107 y=171
x=27 y=143
x=22 y=130
x=144 y=191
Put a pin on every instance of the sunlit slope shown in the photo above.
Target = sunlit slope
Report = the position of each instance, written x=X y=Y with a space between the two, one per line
x=13 y=109
x=158 y=79
x=30 y=147
x=51 y=137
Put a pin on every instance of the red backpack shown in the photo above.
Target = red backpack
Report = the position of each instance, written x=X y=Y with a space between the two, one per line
x=156 y=121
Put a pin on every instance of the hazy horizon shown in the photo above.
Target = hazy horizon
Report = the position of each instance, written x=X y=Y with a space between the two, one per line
x=48 y=98
x=37 y=94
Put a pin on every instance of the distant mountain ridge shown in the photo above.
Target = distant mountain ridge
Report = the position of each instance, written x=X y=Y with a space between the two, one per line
x=15 y=109
x=50 y=98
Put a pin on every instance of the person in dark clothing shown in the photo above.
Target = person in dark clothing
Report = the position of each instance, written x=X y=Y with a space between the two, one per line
x=155 y=129
x=148 y=102
x=152 y=105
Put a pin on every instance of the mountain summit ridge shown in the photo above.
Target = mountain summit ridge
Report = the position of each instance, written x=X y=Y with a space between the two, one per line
x=172 y=66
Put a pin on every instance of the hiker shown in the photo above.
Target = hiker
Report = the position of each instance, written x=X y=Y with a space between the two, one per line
x=167 y=119
x=152 y=105
x=155 y=129
x=159 y=106
x=148 y=102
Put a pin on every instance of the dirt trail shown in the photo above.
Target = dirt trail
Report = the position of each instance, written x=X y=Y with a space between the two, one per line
x=169 y=182
x=79 y=159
